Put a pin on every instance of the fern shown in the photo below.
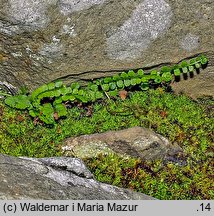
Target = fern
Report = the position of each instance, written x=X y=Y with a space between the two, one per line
x=60 y=110
x=47 y=113
x=47 y=101
x=18 y=101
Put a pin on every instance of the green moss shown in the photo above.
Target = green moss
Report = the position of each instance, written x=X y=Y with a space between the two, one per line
x=180 y=119
x=162 y=181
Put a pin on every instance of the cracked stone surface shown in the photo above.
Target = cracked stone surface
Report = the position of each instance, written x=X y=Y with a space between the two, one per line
x=46 y=40
x=73 y=165
x=54 y=178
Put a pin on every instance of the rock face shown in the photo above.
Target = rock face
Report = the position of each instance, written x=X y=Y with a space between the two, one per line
x=133 y=142
x=54 y=178
x=44 y=40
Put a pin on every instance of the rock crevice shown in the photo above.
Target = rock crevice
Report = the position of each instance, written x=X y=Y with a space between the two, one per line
x=42 y=41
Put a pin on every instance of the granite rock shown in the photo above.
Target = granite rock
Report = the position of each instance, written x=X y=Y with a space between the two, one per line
x=55 y=179
x=135 y=142
x=46 y=40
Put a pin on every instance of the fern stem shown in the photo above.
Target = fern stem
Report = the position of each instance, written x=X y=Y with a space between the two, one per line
x=4 y=94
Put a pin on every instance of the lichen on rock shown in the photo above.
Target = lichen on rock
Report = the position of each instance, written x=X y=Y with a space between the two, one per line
x=31 y=13
x=148 y=21
x=190 y=42
x=69 y=6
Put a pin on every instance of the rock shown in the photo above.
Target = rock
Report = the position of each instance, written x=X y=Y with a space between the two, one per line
x=46 y=40
x=54 y=178
x=133 y=142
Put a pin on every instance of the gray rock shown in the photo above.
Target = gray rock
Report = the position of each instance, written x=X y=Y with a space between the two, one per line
x=133 y=142
x=46 y=40
x=54 y=178
x=69 y=165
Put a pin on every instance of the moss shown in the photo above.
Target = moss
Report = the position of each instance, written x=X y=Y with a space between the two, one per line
x=182 y=120
x=162 y=181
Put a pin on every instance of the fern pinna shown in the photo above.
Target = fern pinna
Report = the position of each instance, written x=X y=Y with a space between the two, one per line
x=48 y=101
